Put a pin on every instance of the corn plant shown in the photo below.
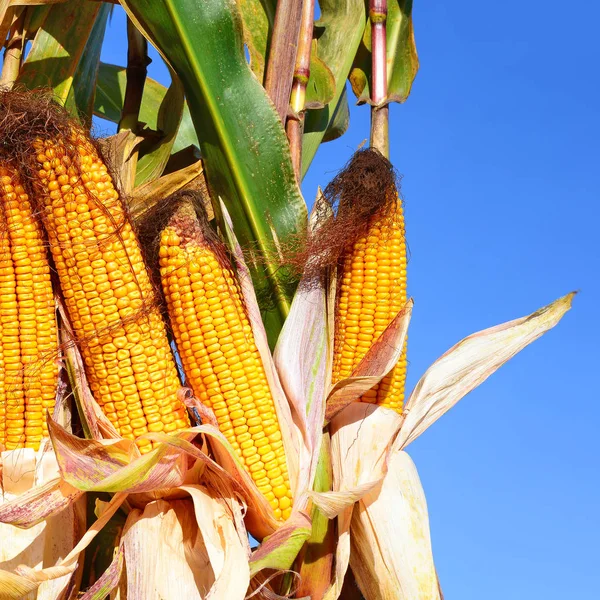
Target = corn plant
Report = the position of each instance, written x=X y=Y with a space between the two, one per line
x=202 y=384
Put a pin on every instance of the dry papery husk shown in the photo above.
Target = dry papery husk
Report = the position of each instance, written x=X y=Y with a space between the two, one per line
x=30 y=558
x=380 y=507
x=192 y=548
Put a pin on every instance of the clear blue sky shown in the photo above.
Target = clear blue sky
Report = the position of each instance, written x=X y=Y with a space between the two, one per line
x=499 y=145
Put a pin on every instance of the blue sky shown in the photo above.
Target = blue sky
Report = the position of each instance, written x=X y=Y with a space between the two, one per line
x=500 y=152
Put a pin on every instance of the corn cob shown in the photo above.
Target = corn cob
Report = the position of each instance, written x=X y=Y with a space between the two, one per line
x=371 y=293
x=30 y=345
x=11 y=382
x=107 y=290
x=220 y=359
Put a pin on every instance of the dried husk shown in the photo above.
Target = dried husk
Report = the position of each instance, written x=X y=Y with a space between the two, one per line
x=391 y=553
x=366 y=440
x=303 y=358
x=187 y=548
x=30 y=558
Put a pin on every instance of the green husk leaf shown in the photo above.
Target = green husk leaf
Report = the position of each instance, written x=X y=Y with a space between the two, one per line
x=109 y=579
x=339 y=32
x=243 y=144
x=402 y=60
x=279 y=550
x=316 y=558
x=90 y=465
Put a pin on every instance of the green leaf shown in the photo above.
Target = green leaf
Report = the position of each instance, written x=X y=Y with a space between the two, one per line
x=152 y=160
x=81 y=95
x=339 y=32
x=257 y=21
x=244 y=147
x=402 y=60
x=110 y=93
x=320 y=89
x=340 y=120
x=58 y=50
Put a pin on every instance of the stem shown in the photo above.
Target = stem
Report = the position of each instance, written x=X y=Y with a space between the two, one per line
x=379 y=111
x=13 y=54
x=137 y=63
x=295 y=126
x=282 y=54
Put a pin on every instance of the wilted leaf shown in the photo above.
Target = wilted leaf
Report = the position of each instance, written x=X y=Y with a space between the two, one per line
x=40 y=522
x=39 y=503
x=177 y=549
x=143 y=198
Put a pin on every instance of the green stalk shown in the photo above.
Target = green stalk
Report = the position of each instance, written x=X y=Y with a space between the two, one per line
x=379 y=107
x=295 y=123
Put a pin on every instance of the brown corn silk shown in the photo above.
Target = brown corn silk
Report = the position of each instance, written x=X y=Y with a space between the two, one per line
x=28 y=333
x=372 y=290
x=217 y=348
x=107 y=289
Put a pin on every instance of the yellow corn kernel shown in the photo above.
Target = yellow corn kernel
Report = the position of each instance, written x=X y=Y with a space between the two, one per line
x=226 y=373
x=111 y=307
x=371 y=293
x=27 y=321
